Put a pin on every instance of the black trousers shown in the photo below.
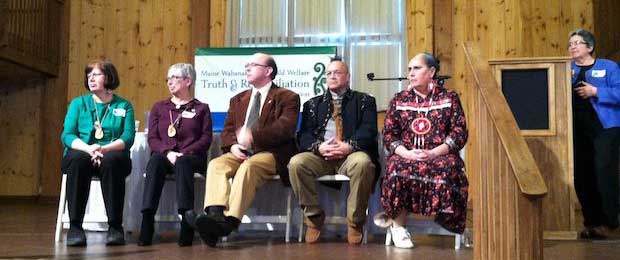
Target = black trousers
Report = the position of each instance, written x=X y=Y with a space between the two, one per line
x=183 y=169
x=114 y=167
x=596 y=170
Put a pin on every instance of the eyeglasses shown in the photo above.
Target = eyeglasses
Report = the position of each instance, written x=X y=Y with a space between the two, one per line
x=252 y=64
x=89 y=75
x=175 y=78
x=335 y=72
x=575 y=43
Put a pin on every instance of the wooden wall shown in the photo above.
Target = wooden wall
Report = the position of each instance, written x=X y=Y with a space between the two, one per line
x=607 y=28
x=21 y=142
x=502 y=29
x=141 y=38
x=32 y=104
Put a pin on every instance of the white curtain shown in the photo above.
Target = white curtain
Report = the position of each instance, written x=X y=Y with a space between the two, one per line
x=369 y=34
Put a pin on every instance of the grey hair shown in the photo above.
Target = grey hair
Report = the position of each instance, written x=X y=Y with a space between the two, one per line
x=587 y=36
x=431 y=61
x=187 y=70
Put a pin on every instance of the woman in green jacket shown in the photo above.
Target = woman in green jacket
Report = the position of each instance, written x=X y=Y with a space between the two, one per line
x=98 y=133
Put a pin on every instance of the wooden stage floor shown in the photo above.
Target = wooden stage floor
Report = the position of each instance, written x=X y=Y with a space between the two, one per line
x=27 y=232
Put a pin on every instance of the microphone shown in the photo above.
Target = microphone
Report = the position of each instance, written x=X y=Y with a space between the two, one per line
x=371 y=77
x=441 y=79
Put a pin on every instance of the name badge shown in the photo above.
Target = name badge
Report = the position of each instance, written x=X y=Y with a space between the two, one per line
x=119 y=112
x=598 y=73
x=188 y=114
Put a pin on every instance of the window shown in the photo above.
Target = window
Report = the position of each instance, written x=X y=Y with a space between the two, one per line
x=369 y=34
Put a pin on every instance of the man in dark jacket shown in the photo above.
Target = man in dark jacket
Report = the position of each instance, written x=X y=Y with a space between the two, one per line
x=338 y=135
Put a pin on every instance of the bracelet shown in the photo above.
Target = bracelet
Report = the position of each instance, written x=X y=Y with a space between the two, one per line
x=450 y=142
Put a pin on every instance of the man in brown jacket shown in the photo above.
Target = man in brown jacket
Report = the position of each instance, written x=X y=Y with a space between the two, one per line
x=258 y=140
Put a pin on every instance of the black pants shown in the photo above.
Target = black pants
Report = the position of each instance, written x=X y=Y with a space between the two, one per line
x=183 y=169
x=114 y=167
x=596 y=170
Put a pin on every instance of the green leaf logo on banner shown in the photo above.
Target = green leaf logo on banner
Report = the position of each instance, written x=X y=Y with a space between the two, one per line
x=320 y=79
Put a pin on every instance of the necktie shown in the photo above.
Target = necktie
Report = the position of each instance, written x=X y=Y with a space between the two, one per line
x=253 y=117
x=336 y=116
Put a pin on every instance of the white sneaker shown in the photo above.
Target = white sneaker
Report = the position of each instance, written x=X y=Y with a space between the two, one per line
x=400 y=236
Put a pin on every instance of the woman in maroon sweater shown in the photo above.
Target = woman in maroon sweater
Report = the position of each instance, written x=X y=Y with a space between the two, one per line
x=179 y=137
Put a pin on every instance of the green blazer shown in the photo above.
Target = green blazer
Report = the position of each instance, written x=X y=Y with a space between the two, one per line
x=117 y=124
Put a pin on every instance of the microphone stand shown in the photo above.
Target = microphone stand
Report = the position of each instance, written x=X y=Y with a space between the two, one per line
x=441 y=79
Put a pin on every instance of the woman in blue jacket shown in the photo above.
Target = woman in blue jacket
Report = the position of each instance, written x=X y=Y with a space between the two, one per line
x=596 y=135
x=98 y=133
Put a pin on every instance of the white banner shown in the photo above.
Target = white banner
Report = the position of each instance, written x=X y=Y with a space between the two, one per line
x=220 y=74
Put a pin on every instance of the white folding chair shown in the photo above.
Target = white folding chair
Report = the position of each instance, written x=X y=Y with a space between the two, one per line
x=95 y=217
x=334 y=220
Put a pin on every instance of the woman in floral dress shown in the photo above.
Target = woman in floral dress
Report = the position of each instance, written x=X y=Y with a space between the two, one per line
x=423 y=132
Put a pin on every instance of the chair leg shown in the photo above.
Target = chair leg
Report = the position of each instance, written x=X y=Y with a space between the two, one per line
x=288 y=216
x=61 y=208
x=457 y=241
x=365 y=240
x=388 y=237
x=301 y=227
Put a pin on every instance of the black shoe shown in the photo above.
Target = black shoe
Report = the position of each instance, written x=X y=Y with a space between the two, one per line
x=146 y=230
x=216 y=226
x=186 y=235
x=216 y=212
x=116 y=237
x=592 y=233
x=203 y=224
x=76 y=237
x=190 y=218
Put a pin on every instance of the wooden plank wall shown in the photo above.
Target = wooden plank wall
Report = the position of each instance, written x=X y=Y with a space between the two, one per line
x=141 y=38
x=21 y=142
x=607 y=28
x=33 y=105
x=502 y=29
x=55 y=106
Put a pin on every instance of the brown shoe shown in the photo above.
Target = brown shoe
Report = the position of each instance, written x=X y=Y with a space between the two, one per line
x=314 y=225
x=355 y=233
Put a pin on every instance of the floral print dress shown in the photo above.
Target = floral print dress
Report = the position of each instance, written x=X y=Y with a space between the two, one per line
x=437 y=187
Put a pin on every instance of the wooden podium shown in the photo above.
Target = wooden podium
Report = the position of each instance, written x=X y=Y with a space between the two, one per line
x=539 y=94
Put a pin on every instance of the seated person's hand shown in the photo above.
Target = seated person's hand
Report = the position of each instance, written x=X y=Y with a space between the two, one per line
x=413 y=154
x=239 y=151
x=333 y=149
x=245 y=138
x=94 y=150
x=173 y=156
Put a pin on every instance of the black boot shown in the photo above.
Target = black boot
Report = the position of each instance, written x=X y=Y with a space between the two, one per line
x=76 y=236
x=186 y=235
x=215 y=226
x=116 y=236
x=191 y=218
x=147 y=229
x=216 y=212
